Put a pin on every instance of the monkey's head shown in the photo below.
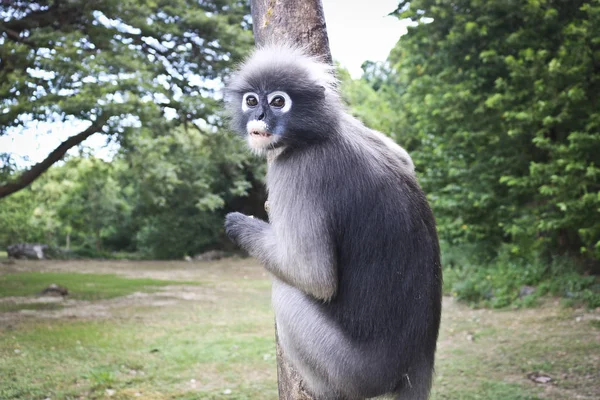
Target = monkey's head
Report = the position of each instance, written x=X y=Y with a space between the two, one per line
x=281 y=97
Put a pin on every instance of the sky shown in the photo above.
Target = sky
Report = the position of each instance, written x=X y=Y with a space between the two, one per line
x=360 y=31
x=357 y=30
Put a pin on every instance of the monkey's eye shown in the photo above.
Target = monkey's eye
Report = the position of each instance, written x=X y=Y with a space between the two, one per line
x=278 y=102
x=251 y=101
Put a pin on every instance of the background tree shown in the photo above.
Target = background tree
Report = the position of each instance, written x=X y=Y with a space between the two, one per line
x=499 y=100
x=114 y=64
x=185 y=182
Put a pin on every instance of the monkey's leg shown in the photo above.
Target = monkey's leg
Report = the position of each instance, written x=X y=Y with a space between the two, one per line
x=333 y=366
x=417 y=383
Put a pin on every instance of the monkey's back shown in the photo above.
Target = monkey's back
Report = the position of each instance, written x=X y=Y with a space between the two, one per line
x=389 y=268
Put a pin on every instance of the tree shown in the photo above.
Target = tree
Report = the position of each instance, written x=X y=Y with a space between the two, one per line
x=302 y=23
x=184 y=183
x=500 y=101
x=115 y=64
x=17 y=225
x=78 y=201
x=367 y=102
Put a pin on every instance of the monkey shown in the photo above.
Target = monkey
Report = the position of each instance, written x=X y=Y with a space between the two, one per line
x=350 y=243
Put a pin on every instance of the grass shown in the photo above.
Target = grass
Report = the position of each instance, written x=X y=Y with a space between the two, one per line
x=216 y=341
x=3 y=254
x=80 y=286
x=487 y=354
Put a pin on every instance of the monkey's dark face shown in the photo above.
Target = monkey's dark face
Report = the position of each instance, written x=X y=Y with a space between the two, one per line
x=265 y=116
x=280 y=109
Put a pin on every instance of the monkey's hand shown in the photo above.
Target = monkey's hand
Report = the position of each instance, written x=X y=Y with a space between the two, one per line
x=243 y=230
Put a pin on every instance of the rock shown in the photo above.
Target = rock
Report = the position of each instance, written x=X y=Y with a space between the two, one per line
x=31 y=251
x=211 y=255
x=539 y=377
x=54 y=290
x=526 y=291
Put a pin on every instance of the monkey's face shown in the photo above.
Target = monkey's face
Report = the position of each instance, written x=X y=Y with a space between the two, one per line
x=265 y=116
x=279 y=106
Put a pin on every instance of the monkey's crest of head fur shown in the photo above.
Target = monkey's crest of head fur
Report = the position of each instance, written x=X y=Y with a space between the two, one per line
x=284 y=57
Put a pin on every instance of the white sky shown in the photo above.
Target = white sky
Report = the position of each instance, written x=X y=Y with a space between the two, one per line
x=361 y=30
x=358 y=31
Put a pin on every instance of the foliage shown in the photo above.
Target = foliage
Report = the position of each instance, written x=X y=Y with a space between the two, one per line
x=499 y=100
x=367 y=103
x=132 y=62
x=184 y=183
x=79 y=200
x=164 y=198
x=16 y=219
x=507 y=281
x=150 y=67
x=80 y=58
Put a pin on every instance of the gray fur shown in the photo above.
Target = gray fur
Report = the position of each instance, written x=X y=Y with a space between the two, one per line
x=351 y=242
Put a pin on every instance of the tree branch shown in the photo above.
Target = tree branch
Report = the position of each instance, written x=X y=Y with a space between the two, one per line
x=38 y=169
x=53 y=16
x=15 y=36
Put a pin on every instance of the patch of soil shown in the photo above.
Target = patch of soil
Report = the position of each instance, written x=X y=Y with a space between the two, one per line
x=111 y=308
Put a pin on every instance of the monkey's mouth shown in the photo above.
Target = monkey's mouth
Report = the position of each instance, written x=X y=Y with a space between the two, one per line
x=258 y=129
x=260 y=133
x=259 y=137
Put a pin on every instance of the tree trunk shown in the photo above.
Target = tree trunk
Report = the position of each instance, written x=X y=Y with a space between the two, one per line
x=302 y=23
x=98 y=241
x=292 y=21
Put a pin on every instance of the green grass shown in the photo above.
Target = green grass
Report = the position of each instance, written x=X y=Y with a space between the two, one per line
x=219 y=344
x=104 y=356
x=3 y=254
x=222 y=343
x=80 y=286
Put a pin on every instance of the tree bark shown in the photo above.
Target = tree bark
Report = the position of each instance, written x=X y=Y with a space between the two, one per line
x=291 y=21
x=38 y=169
x=302 y=23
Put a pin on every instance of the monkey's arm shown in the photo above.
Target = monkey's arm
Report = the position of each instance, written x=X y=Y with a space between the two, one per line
x=303 y=259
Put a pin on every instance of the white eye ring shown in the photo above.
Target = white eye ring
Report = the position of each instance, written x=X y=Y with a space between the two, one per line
x=288 y=100
x=245 y=106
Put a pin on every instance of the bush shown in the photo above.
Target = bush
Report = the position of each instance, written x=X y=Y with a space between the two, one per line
x=500 y=283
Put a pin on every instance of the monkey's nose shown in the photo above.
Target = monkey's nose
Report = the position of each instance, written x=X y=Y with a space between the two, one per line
x=261 y=116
